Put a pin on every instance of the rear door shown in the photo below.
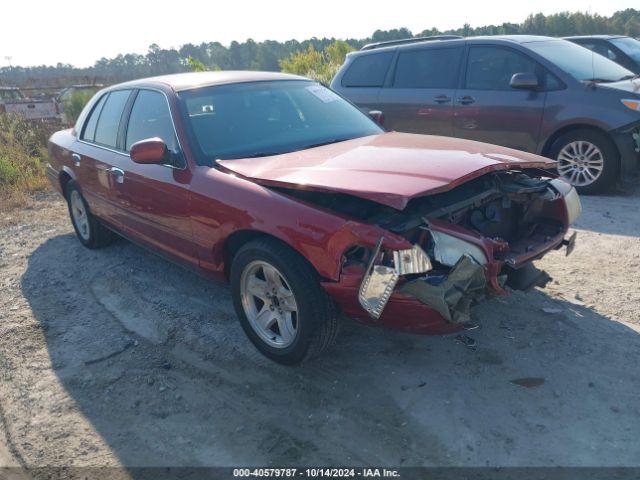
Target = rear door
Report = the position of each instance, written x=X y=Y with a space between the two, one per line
x=97 y=158
x=157 y=196
x=420 y=96
x=487 y=109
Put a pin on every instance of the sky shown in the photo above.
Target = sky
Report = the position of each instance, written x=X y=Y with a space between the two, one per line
x=80 y=32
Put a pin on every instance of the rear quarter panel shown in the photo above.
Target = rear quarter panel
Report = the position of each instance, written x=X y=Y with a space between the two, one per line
x=60 y=147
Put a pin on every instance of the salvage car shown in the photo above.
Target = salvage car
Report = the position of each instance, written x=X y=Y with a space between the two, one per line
x=306 y=205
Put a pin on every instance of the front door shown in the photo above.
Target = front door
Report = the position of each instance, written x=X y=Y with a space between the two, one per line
x=488 y=109
x=157 y=196
x=420 y=98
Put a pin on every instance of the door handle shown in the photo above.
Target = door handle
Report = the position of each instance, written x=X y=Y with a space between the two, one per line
x=117 y=174
x=466 y=100
x=442 y=99
x=76 y=159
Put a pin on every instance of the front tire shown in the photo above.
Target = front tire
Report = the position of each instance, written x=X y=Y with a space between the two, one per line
x=587 y=159
x=91 y=233
x=281 y=306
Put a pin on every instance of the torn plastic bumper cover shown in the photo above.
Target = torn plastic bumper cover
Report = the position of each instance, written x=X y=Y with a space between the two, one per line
x=451 y=295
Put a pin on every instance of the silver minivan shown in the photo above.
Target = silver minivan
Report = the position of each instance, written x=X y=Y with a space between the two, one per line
x=537 y=94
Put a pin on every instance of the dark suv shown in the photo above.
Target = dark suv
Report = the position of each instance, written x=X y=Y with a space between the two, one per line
x=624 y=51
x=537 y=94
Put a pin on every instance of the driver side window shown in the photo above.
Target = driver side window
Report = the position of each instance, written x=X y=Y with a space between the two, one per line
x=150 y=117
x=491 y=68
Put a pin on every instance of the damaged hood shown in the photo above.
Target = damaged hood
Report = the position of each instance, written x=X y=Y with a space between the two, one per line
x=390 y=168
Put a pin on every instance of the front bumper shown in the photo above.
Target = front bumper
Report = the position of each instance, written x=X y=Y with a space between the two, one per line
x=402 y=311
x=432 y=304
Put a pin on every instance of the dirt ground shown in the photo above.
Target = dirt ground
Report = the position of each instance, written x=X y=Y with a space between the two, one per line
x=116 y=357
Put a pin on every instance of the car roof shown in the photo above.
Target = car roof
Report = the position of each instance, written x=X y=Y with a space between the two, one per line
x=190 y=80
x=594 y=37
x=434 y=42
x=512 y=38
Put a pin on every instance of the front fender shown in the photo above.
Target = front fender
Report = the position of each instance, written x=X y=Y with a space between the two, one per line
x=223 y=204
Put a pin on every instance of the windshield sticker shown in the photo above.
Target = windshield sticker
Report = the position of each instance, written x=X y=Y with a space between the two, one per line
x=323 y=94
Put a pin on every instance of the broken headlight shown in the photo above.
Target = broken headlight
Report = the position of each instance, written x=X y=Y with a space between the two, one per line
x=448 y=249
x=380 y=280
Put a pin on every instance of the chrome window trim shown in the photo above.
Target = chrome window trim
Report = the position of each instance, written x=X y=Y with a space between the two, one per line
x=126 y=154
x=103 y=147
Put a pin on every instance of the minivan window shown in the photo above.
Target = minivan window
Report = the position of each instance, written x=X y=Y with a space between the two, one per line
x=628 y=45
x=579 y=62
x=368 y=70
x=109 y=121
x=428 y=68
x=491 y=68
x=150 y=117
x=89 y=132
x=600 y=48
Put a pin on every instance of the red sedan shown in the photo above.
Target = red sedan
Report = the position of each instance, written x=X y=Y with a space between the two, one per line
x=306 y=205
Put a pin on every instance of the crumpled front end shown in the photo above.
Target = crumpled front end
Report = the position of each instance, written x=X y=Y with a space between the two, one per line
x=468 y=244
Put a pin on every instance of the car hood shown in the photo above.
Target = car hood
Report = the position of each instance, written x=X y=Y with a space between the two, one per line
x=390 y=168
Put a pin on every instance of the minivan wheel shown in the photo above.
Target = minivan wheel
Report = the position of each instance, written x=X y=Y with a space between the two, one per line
x=90 y=232
x=281 y=306
x=587 y=159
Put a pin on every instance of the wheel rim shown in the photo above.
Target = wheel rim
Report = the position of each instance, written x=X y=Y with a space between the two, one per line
x=269 y=304
x=79 y=215
x=580 y=163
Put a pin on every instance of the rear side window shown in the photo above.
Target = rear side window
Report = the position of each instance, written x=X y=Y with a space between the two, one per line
x=368 y=70
x=491 y=68
x=428 y=68
x=150 y=117
x=109 y=121
x=89 y=132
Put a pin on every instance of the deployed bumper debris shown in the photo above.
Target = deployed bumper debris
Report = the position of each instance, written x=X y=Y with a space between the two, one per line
x=451 y=295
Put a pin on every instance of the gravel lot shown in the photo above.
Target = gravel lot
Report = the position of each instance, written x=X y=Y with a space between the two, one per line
x=116 y=357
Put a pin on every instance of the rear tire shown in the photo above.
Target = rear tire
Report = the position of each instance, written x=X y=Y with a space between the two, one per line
x=310 y=327
x=587 y=159
x=91 y=233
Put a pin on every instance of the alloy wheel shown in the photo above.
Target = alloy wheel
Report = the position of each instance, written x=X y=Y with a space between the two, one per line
x=269 y=304
x=79 y=215
x=580 y=162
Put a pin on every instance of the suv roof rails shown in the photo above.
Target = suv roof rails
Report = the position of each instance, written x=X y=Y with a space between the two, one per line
x=373 y=46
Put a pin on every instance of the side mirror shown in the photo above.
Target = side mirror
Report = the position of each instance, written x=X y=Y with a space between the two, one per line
x=524 y=81
x=149 y=151
x=377 y=116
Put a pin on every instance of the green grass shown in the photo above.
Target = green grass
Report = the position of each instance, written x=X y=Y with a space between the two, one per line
x=23 y=156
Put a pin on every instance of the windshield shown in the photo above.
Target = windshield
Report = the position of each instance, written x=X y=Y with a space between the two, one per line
x=630 y=46
x=579 y=62
x=269 y=118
